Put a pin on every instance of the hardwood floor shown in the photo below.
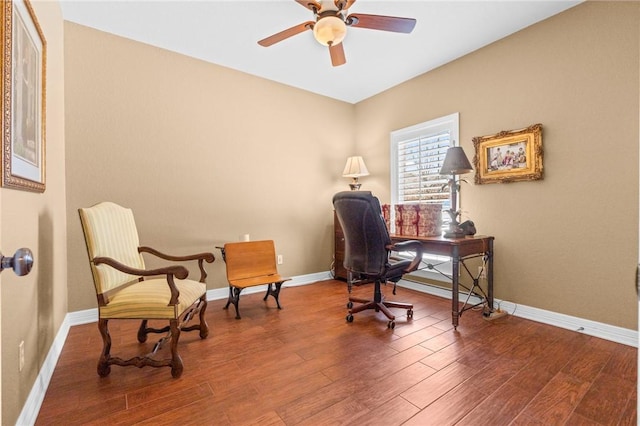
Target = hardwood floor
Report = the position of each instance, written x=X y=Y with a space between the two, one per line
x=305 y=365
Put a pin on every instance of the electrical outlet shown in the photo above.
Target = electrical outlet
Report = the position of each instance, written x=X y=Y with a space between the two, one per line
x=21 y=355
x=279 y=259
x=482 y=272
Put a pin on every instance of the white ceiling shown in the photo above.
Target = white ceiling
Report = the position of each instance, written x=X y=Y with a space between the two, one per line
x=226 y=33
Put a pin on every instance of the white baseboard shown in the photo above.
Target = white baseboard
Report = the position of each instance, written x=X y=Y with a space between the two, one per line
x=223 y=293
x=29 y=412
x=32 y=405
x=580 y=325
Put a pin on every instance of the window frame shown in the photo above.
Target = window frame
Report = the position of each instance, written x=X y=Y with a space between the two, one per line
x=428 y=128
x=450 y=122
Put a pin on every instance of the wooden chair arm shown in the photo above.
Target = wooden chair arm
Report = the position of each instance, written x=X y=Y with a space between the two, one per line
x=177 y=271
x=409 y=245
x=209 y=257
x=200 y=257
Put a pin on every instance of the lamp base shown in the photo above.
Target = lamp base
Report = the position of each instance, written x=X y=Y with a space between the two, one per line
x=355 y=186
x=449 y=234
x=454 y=231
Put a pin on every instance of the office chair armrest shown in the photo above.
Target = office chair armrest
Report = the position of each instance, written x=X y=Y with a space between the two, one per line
x=209 y=257
x=409 y=245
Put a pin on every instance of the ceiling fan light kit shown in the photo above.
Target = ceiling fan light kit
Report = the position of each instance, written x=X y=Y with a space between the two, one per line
x=330 y=30
x=331 y=22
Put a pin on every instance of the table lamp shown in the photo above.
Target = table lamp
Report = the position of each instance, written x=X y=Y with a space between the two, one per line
x=355 y=168
x=455 y=163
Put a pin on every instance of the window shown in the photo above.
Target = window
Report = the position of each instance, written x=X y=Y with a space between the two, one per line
x=417 y=154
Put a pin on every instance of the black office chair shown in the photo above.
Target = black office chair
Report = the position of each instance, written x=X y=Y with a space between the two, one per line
x=367 y=251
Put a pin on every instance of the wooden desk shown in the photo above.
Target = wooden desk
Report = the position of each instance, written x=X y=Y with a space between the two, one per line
x=458 y=249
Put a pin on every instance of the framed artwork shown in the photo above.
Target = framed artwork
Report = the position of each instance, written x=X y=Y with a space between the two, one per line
x=23 y=97
x=509 y=156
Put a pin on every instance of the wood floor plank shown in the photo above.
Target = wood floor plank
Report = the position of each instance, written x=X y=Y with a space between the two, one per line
x=606 y=400
x=308 y=405
x=394 y=412
x=341 y=413
x=270 y=418
x=557 y=400
x=623 y=363
x=386 y=388
x=451 y=406
x=493 y=375
x=438 y=384
x=83 y=414
x=193 y=395
x=587 y=362
x=503 y=405
x=390 y=364
x=305 y=364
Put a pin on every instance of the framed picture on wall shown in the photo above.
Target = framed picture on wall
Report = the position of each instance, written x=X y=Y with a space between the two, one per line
x=509 y=156
x=23 y=97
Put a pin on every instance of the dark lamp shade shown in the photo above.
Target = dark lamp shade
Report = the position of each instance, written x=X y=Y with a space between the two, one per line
x=455 y=162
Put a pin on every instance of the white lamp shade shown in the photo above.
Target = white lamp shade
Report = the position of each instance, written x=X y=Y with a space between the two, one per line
x=355 y=167
x=330 y=30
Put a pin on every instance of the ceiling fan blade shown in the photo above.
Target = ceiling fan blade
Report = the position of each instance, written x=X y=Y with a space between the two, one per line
x=381 y=22
x=337 y=55
x=309 y=4
x=289 y=32
x=343 y=4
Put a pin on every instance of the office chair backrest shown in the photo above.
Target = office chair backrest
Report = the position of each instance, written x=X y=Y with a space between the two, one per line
x=365 y=233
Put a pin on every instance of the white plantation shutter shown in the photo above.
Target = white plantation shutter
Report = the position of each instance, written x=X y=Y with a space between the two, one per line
x=418 y=169
x=417 y=154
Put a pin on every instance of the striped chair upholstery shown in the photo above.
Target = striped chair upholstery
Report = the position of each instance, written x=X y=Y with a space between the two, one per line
x=146 y=300
x=123 y=292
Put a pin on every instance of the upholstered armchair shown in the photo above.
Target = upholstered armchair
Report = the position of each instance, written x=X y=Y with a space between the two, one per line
x=125 y=289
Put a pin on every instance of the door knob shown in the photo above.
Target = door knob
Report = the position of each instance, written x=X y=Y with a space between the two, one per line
x=21 y=262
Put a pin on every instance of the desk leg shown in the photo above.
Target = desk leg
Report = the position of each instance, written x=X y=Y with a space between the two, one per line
x=489 y=254
x=455 y=272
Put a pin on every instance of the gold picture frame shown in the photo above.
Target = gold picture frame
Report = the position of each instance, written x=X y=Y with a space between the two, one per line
x=509 y=156
x=24 y=51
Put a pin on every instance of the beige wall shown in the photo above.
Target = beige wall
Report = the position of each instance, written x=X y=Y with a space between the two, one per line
x=568 y=243
x=34 y=306
x=201 y=153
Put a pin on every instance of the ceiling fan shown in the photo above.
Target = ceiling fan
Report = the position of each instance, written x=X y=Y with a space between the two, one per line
x=331 y=22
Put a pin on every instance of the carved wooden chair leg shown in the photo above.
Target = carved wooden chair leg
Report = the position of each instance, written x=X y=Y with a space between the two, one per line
x=176 y=361
x=142 y=331
x=103 y=363
x=204 y=327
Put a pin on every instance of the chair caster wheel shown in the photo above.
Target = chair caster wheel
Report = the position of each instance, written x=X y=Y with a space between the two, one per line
x=349 y=318
x=391 y=325
x=350 y=305
x=410 y=313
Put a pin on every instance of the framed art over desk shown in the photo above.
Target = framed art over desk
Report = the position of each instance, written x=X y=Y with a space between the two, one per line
x=509 y=156
x=23 y=97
